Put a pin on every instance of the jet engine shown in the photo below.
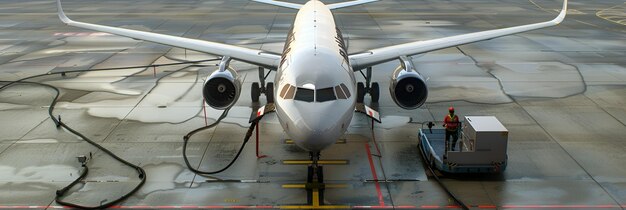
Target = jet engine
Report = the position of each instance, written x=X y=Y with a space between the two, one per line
x=408 y=88
x=222 y=88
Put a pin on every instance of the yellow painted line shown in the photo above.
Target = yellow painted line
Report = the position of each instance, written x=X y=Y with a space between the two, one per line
x=291 y=186
x=614 y=14
x=321 y=162
x=316 y=198
x=332 y=162
x=316 y=207
x=297 y=162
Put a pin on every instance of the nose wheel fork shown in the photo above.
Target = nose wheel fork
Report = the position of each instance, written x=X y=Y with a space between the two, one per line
x=315 y=181
x=369 y=87
x=261 y=87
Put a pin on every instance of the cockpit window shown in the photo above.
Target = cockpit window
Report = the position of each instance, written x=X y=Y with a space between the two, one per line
x=308 y=94
x=326 y=94
x=304 y=94
x=345 y=90
x=291 y=92
x=284 y=90
x=342 y=93
x=288 y=92
x=339 y=92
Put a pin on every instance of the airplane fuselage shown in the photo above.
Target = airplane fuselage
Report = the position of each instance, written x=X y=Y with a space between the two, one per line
x=315 y=90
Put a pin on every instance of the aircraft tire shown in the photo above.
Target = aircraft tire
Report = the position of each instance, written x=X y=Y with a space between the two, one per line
x=375 y=92
x=255 y=92
x=360 y=92
x=269 y=92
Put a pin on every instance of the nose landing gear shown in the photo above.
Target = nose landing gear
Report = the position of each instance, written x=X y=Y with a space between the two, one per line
x=315 y=181
x=262 y=88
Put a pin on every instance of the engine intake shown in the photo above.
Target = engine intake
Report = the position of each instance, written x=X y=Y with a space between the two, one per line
x=408 y=88
x=222 y=88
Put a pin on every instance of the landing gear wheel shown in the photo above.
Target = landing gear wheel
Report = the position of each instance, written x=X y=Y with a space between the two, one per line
x=269 y=92
x=375 y=92
x=360 y=92
x=255 y=92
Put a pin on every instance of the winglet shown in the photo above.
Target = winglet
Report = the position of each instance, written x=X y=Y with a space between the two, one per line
x=561 y=16
x=62 y=16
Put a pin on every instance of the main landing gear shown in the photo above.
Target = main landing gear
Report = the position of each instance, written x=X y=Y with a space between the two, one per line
x=262 y=88
x=371 y=88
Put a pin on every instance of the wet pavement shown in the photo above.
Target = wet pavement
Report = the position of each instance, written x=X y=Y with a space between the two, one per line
x=561 y=92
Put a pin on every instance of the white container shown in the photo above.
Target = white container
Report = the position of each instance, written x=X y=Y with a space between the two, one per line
x=484 y=141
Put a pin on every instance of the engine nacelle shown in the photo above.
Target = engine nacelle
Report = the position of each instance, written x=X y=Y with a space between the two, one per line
x=222 y=88
x=408 y=88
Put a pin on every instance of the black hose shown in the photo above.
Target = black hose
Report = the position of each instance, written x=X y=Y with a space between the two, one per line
x=61 y=193
x=245 y=140
x=142 y=174
x=445 y=188
x=104 y=69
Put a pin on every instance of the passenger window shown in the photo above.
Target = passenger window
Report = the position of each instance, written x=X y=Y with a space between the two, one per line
x=345 y=90
x=304 y=94
x=326 y=94
x=339 y=92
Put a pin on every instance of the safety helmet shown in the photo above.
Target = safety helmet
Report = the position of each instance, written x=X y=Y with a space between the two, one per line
x=451 y=109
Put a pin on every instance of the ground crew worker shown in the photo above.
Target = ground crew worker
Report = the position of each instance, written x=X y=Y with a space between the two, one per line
x=451 y=122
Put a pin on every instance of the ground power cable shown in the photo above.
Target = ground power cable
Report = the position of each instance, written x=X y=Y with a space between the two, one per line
x=243 y=145
x=110 y=69
x=85 y=169
x=445 y=188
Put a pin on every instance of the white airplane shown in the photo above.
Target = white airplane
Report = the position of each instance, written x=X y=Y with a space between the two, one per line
x=316 y=88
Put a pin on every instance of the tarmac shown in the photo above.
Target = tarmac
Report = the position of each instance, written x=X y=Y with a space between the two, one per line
x=560 y=91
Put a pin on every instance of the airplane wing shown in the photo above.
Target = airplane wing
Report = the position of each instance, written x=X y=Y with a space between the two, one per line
x=330 y=6
x=376 y=56
x=280 y=4
x=257 y=57
x=349 y=4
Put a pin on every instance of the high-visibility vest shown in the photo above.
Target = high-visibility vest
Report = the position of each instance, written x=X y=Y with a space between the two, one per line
x=451 y=122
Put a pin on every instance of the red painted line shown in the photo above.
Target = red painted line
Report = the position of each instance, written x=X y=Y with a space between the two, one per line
x=165 y=207
x=561 y=206
x=374 y=139
x=356 y=207
x=381 y=201
x=135 y=207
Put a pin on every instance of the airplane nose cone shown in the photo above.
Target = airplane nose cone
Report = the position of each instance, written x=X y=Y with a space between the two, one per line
x=322 y=126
